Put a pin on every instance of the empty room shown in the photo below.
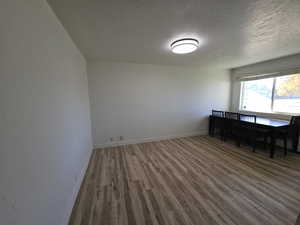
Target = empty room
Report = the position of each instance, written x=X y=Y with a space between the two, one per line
x=154 y=112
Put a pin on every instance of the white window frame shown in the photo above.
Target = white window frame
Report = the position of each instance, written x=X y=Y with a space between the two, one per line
x=272 y=114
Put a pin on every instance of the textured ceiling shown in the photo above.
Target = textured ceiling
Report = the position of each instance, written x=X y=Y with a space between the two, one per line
x=233 y=32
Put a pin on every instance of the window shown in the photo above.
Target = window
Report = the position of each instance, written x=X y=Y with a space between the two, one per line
x=272 y=95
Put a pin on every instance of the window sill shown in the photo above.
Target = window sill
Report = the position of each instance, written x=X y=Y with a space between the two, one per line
x=279 y=116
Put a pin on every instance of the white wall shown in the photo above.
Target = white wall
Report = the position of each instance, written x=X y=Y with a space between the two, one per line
x=45 y=137
x=147 y=102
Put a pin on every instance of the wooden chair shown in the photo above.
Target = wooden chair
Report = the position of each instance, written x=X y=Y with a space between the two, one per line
x=232 y=115
x=250 y=131
x=246 y=117
x=298 y=220
x=295 y=130
x=217 y=113
x=217 y=123
x=291 y=132
x=229 y=124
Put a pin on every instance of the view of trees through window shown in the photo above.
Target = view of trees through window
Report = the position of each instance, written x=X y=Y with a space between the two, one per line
x=279 y=94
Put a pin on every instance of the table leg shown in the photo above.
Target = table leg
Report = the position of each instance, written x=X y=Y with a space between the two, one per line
x=272 y=147
x=295 y=141
x=211 y=126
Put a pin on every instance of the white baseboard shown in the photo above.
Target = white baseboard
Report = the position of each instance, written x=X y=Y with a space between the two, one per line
x=75 y=191
x=149 y=139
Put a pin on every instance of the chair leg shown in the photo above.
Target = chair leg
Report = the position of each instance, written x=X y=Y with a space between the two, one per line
x=265 y=141
x=285 y=146
x=224 y=135
x=253 y=145
x=238 y=141
x=295 y=141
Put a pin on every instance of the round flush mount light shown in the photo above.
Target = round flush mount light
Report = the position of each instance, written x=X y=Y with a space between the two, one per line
x=184 y=46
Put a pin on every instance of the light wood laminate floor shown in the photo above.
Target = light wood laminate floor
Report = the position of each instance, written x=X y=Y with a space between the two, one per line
x=188 y=181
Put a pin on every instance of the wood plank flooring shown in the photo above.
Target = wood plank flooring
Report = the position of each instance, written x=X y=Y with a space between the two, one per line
x=188 y=181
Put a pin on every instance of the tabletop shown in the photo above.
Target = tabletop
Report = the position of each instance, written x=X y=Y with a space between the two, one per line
x=267 y=121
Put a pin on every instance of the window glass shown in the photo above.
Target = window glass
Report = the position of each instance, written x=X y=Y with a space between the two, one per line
x=287 y=94
x=257 y=95
x=279 y=94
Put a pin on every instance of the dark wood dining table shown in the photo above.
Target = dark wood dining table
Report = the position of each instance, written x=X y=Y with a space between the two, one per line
x=271 y=124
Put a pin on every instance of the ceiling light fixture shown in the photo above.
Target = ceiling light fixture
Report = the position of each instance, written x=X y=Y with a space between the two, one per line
x=184 y=46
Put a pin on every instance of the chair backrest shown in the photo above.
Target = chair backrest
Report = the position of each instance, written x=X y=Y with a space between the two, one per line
x=247 y=117
x=295 y=121
x=294 y=127
x=232 y=115
x=298 y=220
x=217 y=113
